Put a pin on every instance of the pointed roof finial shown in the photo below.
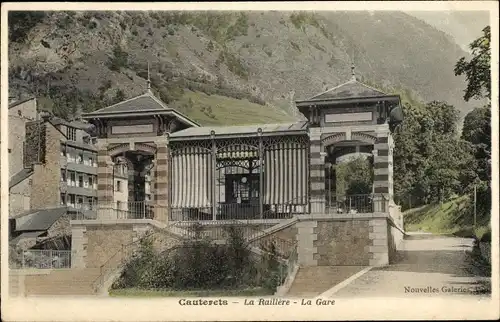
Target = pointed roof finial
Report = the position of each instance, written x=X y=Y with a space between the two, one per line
x=353 y=74
x=149 y=80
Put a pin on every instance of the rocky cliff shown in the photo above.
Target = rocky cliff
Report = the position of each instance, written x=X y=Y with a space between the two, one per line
x=236 y=67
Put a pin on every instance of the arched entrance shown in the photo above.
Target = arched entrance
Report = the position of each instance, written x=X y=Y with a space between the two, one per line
x=348 y=172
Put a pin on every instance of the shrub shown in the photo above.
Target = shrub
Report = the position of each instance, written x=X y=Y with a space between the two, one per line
x=118 y=60
x=199 y=264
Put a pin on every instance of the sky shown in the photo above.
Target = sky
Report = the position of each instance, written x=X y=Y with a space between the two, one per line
x=463 y=26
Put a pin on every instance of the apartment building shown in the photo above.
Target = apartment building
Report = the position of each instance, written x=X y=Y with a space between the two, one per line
x=53 y=172
x=78 y=166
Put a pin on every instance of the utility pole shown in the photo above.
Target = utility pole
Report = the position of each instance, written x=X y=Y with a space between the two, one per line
x=475 y=201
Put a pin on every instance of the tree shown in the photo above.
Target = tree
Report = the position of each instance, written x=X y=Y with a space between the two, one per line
x=477 y=131
x=21 y=22
x=119 y=59
x=477 y=123
x=354 y=176
x=430 y=159
x=477 y=70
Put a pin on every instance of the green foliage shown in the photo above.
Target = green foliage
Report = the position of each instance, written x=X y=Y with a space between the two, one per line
x=354 y=176
x=477 y=130
x=21 y=22
x=455 y=216
x=198 y=264
x=301 y=19
x=118 y=60
x=430 y=158
x=222 y=27
x=233 y=63
x=477 y=71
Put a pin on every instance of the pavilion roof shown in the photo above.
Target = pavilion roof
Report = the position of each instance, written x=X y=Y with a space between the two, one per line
x=144 y=104
x=241 y=130
x=348 y=90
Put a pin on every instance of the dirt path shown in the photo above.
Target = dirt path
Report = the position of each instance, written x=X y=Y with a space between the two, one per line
x=427 y=265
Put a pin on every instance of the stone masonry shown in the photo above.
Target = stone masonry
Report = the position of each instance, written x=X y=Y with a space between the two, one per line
x=306 y=238
x=317 y=172
x=162 y=196
x=379 y=248
x=104 y=182
x=47 y=175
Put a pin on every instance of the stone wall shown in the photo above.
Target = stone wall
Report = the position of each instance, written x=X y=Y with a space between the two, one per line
x=95 y=242
x=395 y=239
x=18 y=116
x=342 y=243
x=20 y=197
x=218 y=231
x=47 y=176
x=104 y=241
x=324 y=240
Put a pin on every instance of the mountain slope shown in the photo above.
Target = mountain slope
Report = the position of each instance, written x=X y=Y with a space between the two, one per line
x=463 y=26
x=85 y=60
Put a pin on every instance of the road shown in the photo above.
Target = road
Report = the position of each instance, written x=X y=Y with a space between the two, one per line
x=427 y=265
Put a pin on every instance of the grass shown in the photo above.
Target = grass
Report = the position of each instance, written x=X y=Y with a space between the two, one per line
x=452 y=217
x=221 y=110
x=134 y=292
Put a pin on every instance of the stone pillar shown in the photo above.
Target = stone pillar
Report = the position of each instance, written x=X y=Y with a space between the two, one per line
x=382 y=168
x=379 y=240
x=162 y=190
x=105 y=186
x=317 y=172
x=79 y=243
x=306 y=238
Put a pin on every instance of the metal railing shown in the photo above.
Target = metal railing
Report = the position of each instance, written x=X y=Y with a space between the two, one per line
x=255 y=237
x=44 y=259
x=219 y=230
x=239 y=211
x=115 y=262
x=129 y=210
x=354 y=204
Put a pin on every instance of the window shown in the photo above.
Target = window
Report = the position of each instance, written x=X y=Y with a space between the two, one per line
x=80 y=158
x=119 y=205
x=80 y=181
x=63 y=175
x=80 y=202
x=118 y=185
x=91 y=162
x=71 y=133
x=72 y=179
x=63 y=151
x=71 y=201
x=71 y=158
x=90 y=202
x=63 y=198
x=91 y=181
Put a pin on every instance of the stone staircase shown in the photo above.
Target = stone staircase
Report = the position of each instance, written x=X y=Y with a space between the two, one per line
x=313 y=281
x=96 y=281
x=54 y=282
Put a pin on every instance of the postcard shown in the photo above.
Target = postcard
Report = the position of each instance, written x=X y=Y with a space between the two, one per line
x=250 y=161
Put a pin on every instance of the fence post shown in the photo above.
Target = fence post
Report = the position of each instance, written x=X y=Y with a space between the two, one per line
x=51 y=258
